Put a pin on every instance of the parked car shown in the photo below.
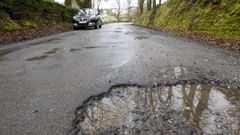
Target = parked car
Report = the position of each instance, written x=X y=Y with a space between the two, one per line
x=87 y=18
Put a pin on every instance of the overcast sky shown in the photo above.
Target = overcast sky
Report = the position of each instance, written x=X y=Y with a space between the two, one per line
x=110 y=3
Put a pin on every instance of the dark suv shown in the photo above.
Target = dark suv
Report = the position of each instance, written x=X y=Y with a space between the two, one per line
x=87 y=18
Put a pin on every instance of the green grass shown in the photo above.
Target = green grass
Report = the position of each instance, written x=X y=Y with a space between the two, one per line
x=29 y=25
x=220 y=19
x=10 y=26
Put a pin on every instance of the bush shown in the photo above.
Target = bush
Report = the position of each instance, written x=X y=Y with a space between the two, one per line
x=4 y=15
x=21 y=9
x=10 y=26
x=29 y=25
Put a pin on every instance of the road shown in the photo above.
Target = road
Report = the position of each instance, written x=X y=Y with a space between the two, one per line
x=43 y=81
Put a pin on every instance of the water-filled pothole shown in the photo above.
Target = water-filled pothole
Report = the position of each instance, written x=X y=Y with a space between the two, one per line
x=180 y=109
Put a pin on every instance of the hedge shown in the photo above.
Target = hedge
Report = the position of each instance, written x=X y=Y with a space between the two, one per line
x=33 y=9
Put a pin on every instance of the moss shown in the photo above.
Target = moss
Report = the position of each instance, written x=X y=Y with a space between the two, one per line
x=219 y=18
x=10 y=26
x=29 y=25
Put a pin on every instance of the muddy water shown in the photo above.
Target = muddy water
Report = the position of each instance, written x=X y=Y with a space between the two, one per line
x=181 y=109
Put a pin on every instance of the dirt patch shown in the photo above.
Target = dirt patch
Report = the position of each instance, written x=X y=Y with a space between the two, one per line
x=174 y=109
x=45 y=28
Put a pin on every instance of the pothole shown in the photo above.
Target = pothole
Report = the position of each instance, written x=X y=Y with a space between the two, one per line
x=92 y=47
x=42 y=57
x=46 y=54
x=46 y=41
x=129 y=33
x=53 y=51
x=140 y=38
x=74 y=49
x=117 y=31
x=180 y=109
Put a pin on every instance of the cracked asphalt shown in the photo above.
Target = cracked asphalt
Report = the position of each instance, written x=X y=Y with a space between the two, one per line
x=43 y=81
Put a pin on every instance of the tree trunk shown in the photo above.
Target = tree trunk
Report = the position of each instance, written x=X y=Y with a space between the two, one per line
x=68 y=3
x=149 y=5
x=98 y=5
x=140 y=3
x=129 y=10
x=154 y=4
x=160 y=2
x=118 y=10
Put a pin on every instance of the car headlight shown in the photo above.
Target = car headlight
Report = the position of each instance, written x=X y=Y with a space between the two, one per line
x=74 y=17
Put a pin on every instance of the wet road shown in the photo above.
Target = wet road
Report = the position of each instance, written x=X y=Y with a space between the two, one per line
x=44 y=81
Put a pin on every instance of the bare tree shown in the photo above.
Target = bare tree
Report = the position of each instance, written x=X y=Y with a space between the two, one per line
x=93 y=3
x=118 y=9
x=129 y=9
x=141 y=4
x=160 y=2
x=154 y=4
x=149 y=5
x=80 y=3
x=98 y=5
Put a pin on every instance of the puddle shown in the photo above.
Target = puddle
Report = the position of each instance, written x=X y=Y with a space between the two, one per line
x=37 y=58
x=140 y=38
x=180 y=109
x=74 y=49
x=53 y=51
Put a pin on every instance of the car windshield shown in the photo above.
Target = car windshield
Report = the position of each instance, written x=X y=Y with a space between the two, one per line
x=86 y=12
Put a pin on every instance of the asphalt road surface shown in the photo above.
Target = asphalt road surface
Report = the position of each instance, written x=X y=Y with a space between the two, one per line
x=43 y=81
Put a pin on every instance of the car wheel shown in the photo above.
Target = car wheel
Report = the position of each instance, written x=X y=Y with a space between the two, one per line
x=100 y=24
x=97 y=26
x=75 y=28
